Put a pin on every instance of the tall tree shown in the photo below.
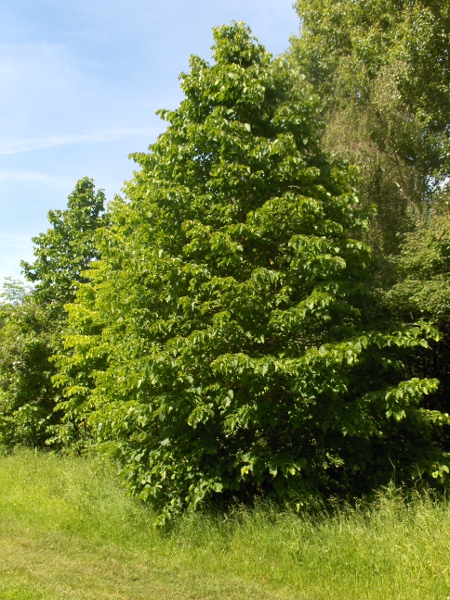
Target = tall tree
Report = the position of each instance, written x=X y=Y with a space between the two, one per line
x=382 y=70
x=236 y=343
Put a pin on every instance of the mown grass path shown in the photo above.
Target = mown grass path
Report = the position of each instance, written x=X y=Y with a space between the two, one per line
x=68 y=531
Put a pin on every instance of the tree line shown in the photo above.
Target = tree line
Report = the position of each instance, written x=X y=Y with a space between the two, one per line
x=265 y=311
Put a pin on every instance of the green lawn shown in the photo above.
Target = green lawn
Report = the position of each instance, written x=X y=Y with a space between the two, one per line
x=68 y=531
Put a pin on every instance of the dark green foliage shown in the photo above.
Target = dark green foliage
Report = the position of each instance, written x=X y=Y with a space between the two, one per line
x=382 y=72
x=230 y=343
x=423 y=291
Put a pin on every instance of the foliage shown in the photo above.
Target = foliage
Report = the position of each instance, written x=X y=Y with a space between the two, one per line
x=424 y=270
x=67 y=249
x=230 y=343
x=26 y=397
x=382 y=71
x=32 y=321
x=423 y=290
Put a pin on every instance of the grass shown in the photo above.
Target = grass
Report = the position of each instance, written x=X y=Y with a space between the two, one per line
x=68 y=531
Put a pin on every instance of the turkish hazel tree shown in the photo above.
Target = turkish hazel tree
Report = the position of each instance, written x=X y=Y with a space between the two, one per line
x=237 y=346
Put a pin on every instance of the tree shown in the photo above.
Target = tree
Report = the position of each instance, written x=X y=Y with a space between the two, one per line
x=382 y=71
x=33 y=320
x=65 y=251
x=235 y=341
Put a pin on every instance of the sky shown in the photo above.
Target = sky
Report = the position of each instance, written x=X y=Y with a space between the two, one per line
x=80 y=82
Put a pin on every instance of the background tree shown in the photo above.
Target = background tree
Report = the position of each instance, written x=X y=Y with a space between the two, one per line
x=67 y=249
x=382 y=70
x=33 y=320
x=246 y=349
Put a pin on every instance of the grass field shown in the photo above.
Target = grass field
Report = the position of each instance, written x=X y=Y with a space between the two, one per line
x=68 y=531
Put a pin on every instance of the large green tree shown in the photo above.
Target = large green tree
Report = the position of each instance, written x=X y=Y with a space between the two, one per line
x=382 y=69
x=231 y=342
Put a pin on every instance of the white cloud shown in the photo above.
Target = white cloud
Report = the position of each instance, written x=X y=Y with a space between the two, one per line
x=52 y=141
x=14 y=241
x=32 y=176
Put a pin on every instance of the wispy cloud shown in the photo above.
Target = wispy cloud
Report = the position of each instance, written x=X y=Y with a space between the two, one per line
x=32 y=176
x=52 y=141
x=14 y=241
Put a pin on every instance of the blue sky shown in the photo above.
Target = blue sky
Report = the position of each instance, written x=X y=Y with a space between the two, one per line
x=80 y=83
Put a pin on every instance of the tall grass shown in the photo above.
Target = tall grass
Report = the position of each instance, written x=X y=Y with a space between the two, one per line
x=68 y=530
